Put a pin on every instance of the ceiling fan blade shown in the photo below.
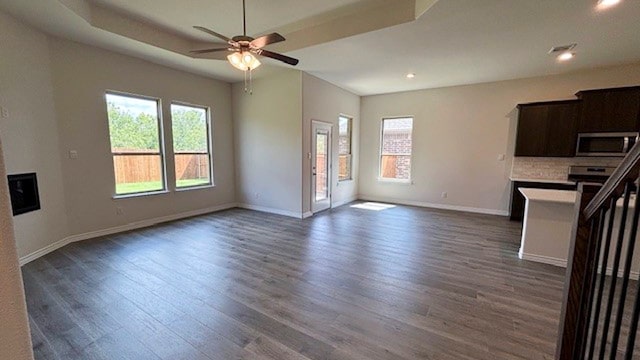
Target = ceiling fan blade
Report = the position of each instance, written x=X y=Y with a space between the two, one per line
x=204 y=51
x=263 y=41
x=273 y=55
x=211 y=32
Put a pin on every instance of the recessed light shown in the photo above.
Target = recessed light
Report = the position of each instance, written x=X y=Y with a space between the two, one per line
x=411 y=75
x=604 y=4
x=566 y=56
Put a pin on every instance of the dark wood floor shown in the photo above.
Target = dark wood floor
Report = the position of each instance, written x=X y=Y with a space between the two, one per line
x=403 y=283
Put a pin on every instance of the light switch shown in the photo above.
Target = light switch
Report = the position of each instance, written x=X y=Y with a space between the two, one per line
x=4 y=112
x=500 y=157
x=73 y=154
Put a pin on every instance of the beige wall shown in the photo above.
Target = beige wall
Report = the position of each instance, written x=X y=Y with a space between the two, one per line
x=323 y=101
x=459 y=133
x=268 y=143
x=82 y=74
x=53 y=91
x=30 y=132
x=15 y=340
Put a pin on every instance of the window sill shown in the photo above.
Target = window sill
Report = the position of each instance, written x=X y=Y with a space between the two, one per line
x=345 y=180
x=129 y=196
x=396 y=181
x=198 y=187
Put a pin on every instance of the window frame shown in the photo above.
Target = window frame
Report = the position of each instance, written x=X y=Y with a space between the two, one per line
x=350 y=127
x=209 y=146
x=381 y=133
x=161 y=144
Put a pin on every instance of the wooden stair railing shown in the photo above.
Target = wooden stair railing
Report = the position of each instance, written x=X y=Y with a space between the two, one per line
x=599 y=318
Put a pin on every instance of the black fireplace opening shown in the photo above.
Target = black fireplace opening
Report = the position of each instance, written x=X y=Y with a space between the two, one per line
x=23 y=189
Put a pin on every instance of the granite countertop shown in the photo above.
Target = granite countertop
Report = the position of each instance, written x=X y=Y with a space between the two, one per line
x=548 y=195
x=546 y=181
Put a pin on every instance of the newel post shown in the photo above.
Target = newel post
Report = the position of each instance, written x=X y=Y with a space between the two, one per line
x=574 y=319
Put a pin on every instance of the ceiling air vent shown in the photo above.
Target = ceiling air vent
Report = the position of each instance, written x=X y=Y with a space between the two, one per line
x=562 y=49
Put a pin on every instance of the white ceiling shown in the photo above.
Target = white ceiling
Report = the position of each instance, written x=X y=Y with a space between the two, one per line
x=455 y=42
x=472 y=41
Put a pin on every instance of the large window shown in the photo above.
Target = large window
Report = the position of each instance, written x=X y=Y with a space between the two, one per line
x=395 y=149
x=191 y=145
x=344 y=148
x=136 y=146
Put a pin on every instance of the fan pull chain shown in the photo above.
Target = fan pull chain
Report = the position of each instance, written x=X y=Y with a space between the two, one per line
x=248 y=85
x=245 y=81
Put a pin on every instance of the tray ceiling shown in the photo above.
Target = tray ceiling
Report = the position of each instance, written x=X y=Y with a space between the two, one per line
x=365 y=46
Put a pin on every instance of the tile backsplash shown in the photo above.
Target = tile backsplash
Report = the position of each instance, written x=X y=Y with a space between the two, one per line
x=554 y=168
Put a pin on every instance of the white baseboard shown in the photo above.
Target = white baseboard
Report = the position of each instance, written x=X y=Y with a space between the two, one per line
x=344 y=202
x=333 y=205
x=118 y=229
x=294 y=214
x=44 y=251
x=543 y=259
x=434 y=206
x=634 y=275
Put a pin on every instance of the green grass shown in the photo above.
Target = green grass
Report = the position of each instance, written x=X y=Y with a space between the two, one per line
x=142 y=187
x=139 y=187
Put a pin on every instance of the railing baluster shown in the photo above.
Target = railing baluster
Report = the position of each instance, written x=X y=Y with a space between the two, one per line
x=603 y=276
x=584 y=298
x=633 y=327
x=573 y=329
x=614 y=274
x=597 y=232
x=627 y=271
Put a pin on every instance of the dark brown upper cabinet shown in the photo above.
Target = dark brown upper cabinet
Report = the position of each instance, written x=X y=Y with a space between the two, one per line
x=610 y=110
x=547 y=129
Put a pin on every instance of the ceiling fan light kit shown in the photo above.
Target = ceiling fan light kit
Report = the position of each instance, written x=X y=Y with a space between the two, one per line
x=244 y=49
x=244 y=61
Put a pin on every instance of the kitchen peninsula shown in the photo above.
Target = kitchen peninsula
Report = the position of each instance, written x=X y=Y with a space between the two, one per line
x=547 y=227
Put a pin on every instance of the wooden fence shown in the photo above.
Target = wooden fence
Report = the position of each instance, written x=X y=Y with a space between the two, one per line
x=144 y=167
x=192 y=166
x=321 y=176
x=396 y=166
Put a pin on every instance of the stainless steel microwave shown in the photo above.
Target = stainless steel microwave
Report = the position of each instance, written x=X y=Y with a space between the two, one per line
x=605 y=144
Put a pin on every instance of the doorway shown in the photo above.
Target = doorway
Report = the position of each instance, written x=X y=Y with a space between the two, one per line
x=320 y=166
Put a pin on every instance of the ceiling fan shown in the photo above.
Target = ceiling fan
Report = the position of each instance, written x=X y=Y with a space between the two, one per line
x=243 y=48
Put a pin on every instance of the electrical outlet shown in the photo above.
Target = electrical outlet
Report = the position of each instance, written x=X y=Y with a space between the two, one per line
x=257 y=195
x=73 y=154
x=4 y=112
x=119 y=211
x=444 y=195
x=501 y=157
